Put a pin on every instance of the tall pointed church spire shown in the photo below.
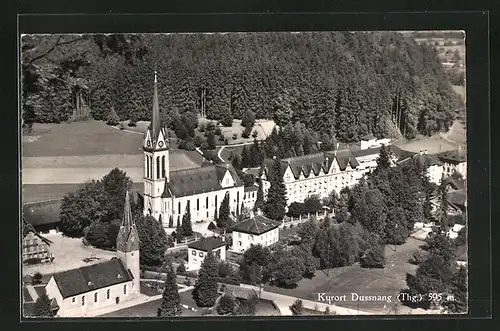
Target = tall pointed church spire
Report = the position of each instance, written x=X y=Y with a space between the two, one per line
x=155 y=118
x=127 y=213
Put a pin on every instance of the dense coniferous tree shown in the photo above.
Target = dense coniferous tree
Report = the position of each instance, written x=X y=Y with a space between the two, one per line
x=171 y=304
x=275 y=204
x=459 y=291
x=186 y=226
x=42 y=307
x=224 y=220
x=205 y=289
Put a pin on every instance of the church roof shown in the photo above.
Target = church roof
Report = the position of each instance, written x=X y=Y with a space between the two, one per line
x=207 y=244
x=256 y=225
x=155 y=125
x=127 y=230
x=198 y=180
x=92 y=277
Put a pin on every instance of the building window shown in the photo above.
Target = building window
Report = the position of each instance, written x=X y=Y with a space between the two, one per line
x=125 y=289
x=179 y=207
x=95 y=297
x=73 y=300
x=201 y=254
x=83 y=300
x=198 y=204
x=108 y=294
x=147 y=166
x=238 y=197
x=193 y=253
x=239 y=243
x=215 y=201
x=206 y=203
x=163 y=166
x=227 y=181
x=157 y=167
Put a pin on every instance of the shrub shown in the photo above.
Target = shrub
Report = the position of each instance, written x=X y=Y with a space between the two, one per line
x=132 y=123
x=201 y=128
x=113 y=118
x=181 y=269
x=36 y=279
x=211 y=226
x=188 y=282
x=226 y=142
x=254 y=134
x=121 y=126
x=417 y=258
x=246 y=133
x=218 y=131
x=235 y=136
x=198 y=141
x=297 y=308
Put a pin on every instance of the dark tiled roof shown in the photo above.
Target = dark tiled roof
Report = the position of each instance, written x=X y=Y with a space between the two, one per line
x=345 y=157
x=42 y=213
x=27 y=228
x=207 y=244
x=431 y=159
x=454 y=156
x=251 y=188
x=457 y=197
x=198 y=180
x=92 y=277
x=26 y=295
x=253 y=171
x=256 y=225
x=305 y=163
x=365 y=152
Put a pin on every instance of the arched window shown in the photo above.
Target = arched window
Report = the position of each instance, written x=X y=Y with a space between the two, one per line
x=95 y=297
x=215 y=201
x=163 y=166
x=198 y=204
x=206 y=204
x=147 y=166
x=151 y=167
x=238 y=197
x=125 y=289
x=158 y=167
x=179 y=208
x=108 y=294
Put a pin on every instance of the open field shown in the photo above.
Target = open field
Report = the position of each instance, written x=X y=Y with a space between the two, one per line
x=433 y=145
x=354 y=279
x=147 y=309
x=80 y=138
x=263 y=128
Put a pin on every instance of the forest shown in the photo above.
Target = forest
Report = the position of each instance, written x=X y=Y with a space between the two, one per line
x=341 y=84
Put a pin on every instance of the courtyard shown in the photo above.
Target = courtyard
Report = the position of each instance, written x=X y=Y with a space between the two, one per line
x=69 y=253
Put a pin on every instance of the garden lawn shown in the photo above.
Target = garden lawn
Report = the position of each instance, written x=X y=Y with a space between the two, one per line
x=354 y=279
x=147 y=309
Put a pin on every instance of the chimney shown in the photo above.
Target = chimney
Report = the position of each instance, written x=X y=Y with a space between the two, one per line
x=425 y=151
x=421 y=152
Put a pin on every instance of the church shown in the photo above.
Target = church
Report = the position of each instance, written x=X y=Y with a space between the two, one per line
x=168 y=195
x=82 y=292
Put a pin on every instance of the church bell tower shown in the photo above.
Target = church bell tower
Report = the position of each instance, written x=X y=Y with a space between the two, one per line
x=156 y=161
x=127 y=245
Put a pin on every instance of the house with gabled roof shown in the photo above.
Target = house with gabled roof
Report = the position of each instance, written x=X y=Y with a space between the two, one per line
x=198 y=250
x=82 y=291
x=255 y=230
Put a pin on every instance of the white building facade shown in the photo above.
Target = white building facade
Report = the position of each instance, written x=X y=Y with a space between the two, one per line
x=198 y=250
x=316 y=174
x=256 y=230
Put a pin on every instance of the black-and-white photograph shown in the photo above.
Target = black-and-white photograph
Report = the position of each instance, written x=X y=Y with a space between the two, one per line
x=243 y=174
